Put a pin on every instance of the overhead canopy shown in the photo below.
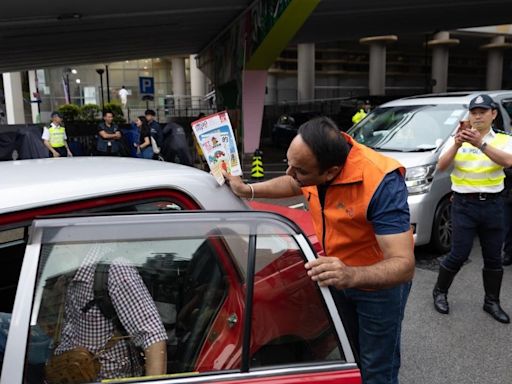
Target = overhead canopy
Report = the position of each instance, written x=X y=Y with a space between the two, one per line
x=37 y=34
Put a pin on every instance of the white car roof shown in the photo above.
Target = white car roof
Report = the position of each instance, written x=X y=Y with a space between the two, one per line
x=27 y=184
x=445 y=98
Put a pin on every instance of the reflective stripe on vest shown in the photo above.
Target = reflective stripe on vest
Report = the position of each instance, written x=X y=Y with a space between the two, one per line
x=57 y=136
x=472 y=168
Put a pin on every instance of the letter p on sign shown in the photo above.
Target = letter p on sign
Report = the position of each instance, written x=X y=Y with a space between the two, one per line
x=147 y=85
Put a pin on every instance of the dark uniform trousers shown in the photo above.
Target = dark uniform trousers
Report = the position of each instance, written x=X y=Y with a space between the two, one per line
x=476 y=214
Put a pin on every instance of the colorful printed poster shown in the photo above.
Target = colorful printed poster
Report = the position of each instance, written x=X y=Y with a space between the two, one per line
x=215 y=136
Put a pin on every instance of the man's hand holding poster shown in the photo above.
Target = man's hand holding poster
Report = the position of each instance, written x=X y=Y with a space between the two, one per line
x=215 y=136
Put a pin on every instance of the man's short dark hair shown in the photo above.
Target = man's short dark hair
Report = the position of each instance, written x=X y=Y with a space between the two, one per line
x=326 y=142
x=105 y=113
x=150 y=112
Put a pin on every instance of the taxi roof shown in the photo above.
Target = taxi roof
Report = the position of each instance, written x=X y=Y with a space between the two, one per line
x=26 y=184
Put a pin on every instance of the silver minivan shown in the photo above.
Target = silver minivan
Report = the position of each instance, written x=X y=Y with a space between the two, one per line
x=414 y=130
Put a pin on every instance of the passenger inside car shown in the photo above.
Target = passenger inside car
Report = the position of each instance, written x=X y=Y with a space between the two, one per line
x=108 y=314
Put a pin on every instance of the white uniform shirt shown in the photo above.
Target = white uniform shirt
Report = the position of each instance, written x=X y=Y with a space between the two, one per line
x=487 y=138
x=123 y=94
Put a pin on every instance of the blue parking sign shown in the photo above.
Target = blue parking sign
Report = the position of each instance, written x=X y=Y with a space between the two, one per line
x=147 y=85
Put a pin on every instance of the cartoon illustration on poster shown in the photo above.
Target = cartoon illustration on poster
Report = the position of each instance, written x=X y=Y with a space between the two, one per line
x=215 y=136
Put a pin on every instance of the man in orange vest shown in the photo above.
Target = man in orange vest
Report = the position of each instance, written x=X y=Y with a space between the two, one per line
x=358 y=202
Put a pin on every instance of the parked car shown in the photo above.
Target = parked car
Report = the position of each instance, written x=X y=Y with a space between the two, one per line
x=414 y=130
x=229 y=282
x=287 y=125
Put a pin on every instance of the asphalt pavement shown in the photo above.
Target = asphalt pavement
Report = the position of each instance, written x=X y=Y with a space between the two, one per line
x=468 y=345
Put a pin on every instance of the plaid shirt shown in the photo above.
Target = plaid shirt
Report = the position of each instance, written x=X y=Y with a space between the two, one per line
x=134 y=307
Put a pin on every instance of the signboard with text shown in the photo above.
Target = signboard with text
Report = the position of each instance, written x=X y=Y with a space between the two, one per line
x=146 y=85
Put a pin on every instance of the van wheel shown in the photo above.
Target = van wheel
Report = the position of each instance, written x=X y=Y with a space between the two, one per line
x=442 y=228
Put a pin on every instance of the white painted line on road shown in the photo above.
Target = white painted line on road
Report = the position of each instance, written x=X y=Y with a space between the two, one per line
x=300 y=205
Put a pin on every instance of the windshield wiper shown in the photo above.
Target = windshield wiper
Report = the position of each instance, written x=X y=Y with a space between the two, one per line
x=388 y=149
x=423 y=149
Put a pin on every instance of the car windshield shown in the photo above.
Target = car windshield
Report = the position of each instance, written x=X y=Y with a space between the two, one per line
x=413 y=128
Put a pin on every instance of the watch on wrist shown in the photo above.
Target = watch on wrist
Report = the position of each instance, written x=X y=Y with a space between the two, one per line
x=483 y=146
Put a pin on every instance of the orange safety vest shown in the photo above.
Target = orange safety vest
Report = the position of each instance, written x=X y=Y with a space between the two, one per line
x=342 y=225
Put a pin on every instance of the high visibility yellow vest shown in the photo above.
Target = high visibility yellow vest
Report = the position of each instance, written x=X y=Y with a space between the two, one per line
x=57 y=136
x=474 y=170
x=360 y=115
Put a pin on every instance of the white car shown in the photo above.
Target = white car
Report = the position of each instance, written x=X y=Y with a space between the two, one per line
x=229 y=283
x=414 y=131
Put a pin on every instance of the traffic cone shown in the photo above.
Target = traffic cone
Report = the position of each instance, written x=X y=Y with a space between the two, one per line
x=257 y=165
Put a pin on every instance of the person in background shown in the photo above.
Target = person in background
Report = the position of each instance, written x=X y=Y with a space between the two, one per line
x=156 y=130
x=109 y=137
x=363 y=108
x=175 y=146
x=478 y=155
x=144 y=148
x=54 y=137
x=123 y=95
x=358 y=201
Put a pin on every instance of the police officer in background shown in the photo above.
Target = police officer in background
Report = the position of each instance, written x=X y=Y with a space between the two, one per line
x=363 y=108
x=54 y=137
x=478 y=155
x=109 y=137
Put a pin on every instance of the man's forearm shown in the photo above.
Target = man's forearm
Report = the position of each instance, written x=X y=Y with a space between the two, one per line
x=279 y=187
x=447 y=158
x=498 y=156
x=385 y=274
x=156 y=359
x=48 y=145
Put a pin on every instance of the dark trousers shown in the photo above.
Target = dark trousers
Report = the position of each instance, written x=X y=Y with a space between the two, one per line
x=373 y=320
x=507 y=233
x=471 y=217
x=63 y=152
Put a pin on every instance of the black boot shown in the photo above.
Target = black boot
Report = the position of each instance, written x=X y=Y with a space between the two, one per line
x=444 y=281
x=492 y=286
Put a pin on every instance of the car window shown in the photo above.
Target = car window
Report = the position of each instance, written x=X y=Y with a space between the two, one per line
x=498 y=121
x=408 y=128
x=188 y=283
x=288 y=305
x=13 y=236
x=507 y=105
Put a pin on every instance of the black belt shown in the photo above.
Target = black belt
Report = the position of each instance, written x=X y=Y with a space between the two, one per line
x=479 y=195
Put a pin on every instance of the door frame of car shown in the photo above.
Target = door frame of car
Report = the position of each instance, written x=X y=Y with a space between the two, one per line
x=16 y=348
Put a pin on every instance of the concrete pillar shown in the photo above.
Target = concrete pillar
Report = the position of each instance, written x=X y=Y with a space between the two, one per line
x=178 y=76
x=495 y=61
x=178 y=82
x=253 y=100
x=197 y=83
x=271 y=95
x=377 y=71
x=34 y=96
x=440 y=48
x=305 y=72
x=13 y=98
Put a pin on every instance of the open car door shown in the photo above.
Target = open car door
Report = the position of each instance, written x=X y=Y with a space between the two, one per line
x=228 y=292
